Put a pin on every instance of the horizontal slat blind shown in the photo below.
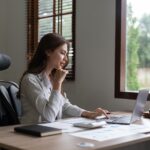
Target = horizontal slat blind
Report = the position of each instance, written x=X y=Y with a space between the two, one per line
x=52 y=16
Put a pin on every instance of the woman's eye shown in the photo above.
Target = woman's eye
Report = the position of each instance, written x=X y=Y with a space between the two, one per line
x=63 y=53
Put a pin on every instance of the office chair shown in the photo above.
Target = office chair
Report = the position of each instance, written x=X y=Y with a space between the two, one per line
x=8 y=83
x=10 y=106
x=13 y=90
x=10 y=116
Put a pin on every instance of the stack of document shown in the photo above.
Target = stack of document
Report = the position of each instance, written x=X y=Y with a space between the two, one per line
x=75 y=124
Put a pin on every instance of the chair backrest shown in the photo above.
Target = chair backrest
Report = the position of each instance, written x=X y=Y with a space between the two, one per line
x=13 y=90
x=8 y=83
x=3 y=115
x=8 y=109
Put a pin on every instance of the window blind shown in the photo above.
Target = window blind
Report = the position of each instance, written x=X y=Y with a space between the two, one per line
x=56 y=16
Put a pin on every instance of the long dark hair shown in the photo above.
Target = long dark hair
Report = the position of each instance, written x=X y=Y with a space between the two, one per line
x=38 y=63
x=49 y=42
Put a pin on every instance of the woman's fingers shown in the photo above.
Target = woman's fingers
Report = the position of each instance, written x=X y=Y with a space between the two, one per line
x=95 y=113
x=60 y=75
x=107 y=112
x=101 y=111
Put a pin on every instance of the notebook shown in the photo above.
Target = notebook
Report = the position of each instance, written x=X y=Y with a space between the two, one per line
x=37 y=130
x=137 y=111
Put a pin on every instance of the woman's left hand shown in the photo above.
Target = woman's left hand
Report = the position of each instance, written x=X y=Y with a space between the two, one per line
x=95 y=113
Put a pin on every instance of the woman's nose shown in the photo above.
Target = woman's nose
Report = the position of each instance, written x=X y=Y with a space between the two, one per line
x=65 y=59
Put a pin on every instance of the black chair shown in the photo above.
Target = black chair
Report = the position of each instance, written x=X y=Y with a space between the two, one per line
x=8 y=83
x=13 y=90
x=10 y=106
x=10 y=116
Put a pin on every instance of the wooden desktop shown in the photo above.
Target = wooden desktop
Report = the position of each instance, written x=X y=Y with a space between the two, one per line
x=15 y=141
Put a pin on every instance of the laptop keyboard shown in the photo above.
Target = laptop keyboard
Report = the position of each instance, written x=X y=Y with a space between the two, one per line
x=121 y=119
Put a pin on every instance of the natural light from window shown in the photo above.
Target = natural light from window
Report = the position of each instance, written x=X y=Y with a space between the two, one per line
x=137 y=45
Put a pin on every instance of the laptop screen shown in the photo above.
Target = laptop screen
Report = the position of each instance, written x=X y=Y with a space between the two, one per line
x=140 y=104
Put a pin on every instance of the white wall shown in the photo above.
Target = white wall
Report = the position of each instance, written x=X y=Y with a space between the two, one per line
x=95 y=51
x=2 y=25
x=95 y=57
x=13 y=36
x=2 y=30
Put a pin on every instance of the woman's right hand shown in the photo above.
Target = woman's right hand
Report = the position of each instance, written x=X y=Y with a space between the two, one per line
x=97 y=112
x=58 y=78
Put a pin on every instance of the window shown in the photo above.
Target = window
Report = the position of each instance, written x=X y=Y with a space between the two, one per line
x=55 y=16
x=132 y=58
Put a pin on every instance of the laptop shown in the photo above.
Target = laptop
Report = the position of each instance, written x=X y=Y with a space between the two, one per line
x=137 y=111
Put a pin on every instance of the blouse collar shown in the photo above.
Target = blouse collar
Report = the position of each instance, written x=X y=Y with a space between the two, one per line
x=44 y=78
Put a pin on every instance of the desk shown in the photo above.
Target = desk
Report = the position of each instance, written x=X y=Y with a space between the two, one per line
x=15 y=141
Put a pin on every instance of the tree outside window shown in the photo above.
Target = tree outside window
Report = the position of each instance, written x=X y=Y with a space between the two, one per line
x=132 y=47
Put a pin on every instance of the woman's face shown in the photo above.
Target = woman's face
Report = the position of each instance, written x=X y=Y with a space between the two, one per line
x=58 y=57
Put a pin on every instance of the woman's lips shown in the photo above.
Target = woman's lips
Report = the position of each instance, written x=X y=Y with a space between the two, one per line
x=62 y=64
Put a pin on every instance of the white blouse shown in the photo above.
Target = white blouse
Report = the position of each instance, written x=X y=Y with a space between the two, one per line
x=41 y=103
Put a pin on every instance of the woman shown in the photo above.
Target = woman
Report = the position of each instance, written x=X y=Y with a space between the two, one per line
x=41 y=85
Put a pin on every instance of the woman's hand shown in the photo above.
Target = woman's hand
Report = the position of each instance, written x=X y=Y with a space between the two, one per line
x=60 y=75
x=58 y=78
x=95 y=113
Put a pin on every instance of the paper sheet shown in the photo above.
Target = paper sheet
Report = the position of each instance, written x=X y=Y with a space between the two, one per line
x=67 y=124
x=76 y=120
x=112 y=131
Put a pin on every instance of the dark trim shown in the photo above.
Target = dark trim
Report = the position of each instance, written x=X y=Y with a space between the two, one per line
x=120 y=48
x=32 y=26
x=73 y=41
x=117 y=48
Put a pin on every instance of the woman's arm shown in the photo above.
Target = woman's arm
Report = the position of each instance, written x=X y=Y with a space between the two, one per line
x=95 y=113
x=70 y=109
x=76 y=111
x=48 y=108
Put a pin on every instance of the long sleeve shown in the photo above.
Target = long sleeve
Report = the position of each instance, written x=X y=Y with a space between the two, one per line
x=72 y=110
x=47 y=106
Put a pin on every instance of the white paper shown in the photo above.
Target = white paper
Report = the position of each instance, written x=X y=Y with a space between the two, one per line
x=76 y=120
x=112 y=131
x=67 y=124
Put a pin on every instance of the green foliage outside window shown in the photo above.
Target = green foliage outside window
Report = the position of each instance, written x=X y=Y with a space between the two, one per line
x=132 y=49
x=138 y=48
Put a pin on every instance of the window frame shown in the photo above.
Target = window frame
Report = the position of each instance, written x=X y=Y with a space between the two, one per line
x=32 y=33
x=120 y=50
